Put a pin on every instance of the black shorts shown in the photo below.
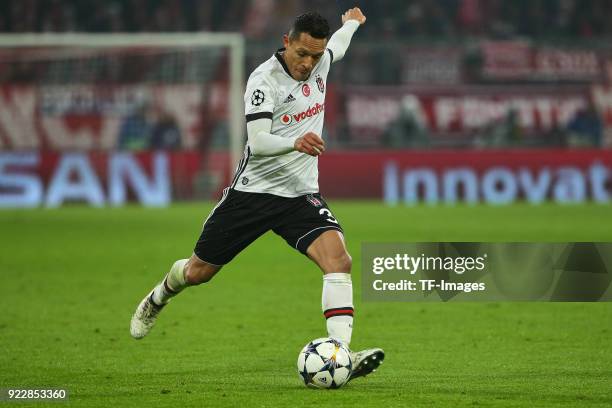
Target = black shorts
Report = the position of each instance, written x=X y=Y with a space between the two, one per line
x=240 y=218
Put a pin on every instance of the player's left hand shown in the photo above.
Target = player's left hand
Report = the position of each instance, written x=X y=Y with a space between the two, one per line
x=354 y=14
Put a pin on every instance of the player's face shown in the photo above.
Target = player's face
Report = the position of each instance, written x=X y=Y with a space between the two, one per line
x=302 y=54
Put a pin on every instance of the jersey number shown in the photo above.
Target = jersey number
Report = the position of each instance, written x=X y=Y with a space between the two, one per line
x=326 y=213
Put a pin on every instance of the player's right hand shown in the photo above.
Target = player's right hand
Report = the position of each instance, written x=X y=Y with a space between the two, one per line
x=310 y=143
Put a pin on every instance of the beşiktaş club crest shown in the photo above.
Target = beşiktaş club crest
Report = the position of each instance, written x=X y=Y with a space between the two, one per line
x=314 y=200
x=320 y=84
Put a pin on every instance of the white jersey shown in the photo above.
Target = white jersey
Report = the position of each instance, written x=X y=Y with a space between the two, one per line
x=295 y=107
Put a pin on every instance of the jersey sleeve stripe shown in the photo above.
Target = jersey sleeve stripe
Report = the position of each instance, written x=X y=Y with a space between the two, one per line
x=239 y=169
x=242 y=167
x=258 y=115
x=331 y=54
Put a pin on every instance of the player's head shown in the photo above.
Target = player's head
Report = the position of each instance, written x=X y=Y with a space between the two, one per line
x=305 y=44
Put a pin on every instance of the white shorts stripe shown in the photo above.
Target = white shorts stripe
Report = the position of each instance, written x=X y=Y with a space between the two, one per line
x=210 y=263
x=225 y=194
x=313 y=230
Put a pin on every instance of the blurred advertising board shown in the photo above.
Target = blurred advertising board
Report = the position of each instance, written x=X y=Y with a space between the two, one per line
x=370 y=111
x=432 y=65
x=179 y=117
x=90 y=117
x=523 y=61
x=489 y=176
x=51 y=179
x=34 y=179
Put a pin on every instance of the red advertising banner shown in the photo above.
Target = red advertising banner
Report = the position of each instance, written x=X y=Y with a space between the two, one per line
x=460 y=110
x=89 y=117
x=49 y=179
x=506 y=59
x=33 y=179
x=496 y=176
x=179 y=117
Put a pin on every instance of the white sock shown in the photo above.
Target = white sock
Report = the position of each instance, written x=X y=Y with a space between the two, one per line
x=337 y=302
x=173 y=283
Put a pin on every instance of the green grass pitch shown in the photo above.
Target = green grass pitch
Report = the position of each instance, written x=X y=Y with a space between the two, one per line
x=72 y=277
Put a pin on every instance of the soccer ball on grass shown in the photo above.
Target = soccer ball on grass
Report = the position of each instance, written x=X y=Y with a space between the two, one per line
x=324 y=363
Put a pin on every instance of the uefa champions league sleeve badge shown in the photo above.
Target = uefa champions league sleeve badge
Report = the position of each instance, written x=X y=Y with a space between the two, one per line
x=258 y=97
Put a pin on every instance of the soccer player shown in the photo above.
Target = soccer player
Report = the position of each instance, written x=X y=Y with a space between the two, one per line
x=276 y=183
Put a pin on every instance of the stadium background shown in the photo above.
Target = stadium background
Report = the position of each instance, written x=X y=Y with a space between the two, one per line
x=483 y=81
x=471 y=103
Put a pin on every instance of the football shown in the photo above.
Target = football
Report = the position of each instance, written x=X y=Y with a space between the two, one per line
x=324 y=363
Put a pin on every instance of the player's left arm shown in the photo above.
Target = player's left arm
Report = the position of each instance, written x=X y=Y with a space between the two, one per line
x=340 y=40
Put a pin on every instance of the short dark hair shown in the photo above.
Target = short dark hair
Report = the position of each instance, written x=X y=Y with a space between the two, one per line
x=312 y=23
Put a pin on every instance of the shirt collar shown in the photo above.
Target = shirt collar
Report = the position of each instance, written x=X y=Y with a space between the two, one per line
x=279 y=57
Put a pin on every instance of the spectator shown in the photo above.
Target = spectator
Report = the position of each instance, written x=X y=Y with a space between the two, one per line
x=165 y=134
x=505 y=132
x=410 y=128
x=585 y=129
x=136 y=128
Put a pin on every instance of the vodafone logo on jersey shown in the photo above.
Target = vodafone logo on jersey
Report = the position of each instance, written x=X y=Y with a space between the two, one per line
x=288 y=119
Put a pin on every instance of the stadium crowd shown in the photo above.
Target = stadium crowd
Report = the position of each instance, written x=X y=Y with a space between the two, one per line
x=264 y=18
